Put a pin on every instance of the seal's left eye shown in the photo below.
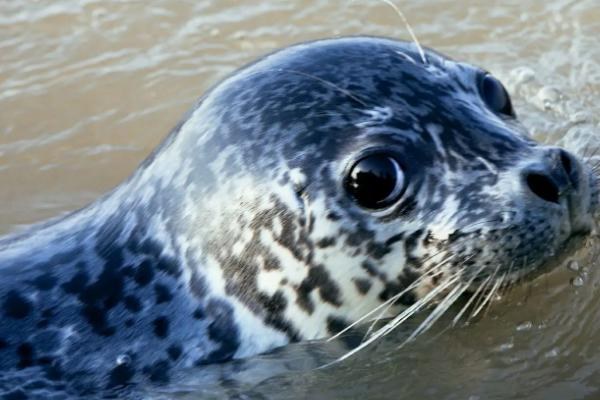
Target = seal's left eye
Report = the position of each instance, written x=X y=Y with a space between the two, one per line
x=495 y=96
x=375 y=181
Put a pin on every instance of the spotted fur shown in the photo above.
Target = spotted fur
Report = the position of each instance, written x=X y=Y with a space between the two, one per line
x=236 y=236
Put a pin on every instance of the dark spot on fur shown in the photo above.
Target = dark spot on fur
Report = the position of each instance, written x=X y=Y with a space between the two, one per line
x=326 y=242
x=132 y=303
x=198 y=313
x=44 y=282
x=370 y=268
x=336 y=324
x=26 y=353
x=271 y=263
x=158 y=372
x=128 y=271
x=46 y=316
x=377 y=250
x=53 y=370
x=174 y=352
x=393 y=239
x=332 y=216
x=169 y=265
x=144 y=273
x=428 y=239
x=17 y=394
x=318 y=278
x=150 y=247
x=163 y=295
x=121 y=375
x=129 y=322
x=3 y=344
x=411 y=241
x=362 y=285
x=161 y=327
x=392 y=288
x=222 y=330
x=97 y=318
x=77 y=283
x=16 y=306
x=303 y=299
x=275 y=307
x=198 y=285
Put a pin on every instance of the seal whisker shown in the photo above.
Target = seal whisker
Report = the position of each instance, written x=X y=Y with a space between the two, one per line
x=482 y=293
x=429 y=274
x=389 y=302
x=508 y=283
x=472 y=297
x=488 y=297
x=493 y=292
x=328 y=114
x=327 y=83
x=413 y=309
x=399 y=319
x=408 y=28
x=439 y=310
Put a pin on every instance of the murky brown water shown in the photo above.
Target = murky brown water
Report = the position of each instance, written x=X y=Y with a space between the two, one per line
x=89 y=87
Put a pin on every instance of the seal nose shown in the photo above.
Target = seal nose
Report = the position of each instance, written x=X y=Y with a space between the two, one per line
x=553 y=177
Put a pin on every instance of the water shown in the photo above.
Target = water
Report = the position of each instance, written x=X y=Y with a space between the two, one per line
x=88 y=88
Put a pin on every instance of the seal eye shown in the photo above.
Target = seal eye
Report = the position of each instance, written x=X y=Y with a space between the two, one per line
x=375 y=181
x=495 y=96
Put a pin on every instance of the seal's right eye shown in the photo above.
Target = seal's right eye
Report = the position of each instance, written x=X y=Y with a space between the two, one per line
x=375 y=181
x=495 y=96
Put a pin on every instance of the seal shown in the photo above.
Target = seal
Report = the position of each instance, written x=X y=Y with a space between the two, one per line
x=318 y=184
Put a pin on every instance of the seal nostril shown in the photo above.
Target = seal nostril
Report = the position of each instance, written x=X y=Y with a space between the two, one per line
x=543 y=187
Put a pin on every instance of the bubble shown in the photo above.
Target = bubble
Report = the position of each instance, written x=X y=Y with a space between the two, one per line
x=525 y=326
x=573 y=265
x=552 y=353
x=506 y=346
x=580 y=117
x=523 y=74
x=549 y=96
x=577 y=281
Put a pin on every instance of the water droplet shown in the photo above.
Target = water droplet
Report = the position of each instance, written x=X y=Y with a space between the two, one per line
x=549 y=96
x=523 y=75
x=577 y=281
x=573 y=265
x=123 y=359
x=552 y=353
x=585 y=270
x=580 y=117
x=525 y=326
x=506 y=346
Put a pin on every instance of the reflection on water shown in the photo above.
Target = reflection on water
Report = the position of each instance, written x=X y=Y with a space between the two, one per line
x=89 y=87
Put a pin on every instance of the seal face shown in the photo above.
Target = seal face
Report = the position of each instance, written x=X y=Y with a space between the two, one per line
x=305 y=190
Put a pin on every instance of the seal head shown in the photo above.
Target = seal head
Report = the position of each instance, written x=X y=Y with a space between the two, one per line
x=302 y=192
